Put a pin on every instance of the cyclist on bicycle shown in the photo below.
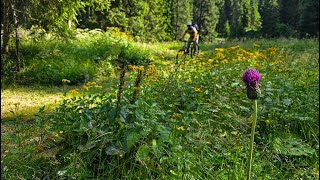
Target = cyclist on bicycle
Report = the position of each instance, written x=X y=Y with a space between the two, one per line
x=194 y=36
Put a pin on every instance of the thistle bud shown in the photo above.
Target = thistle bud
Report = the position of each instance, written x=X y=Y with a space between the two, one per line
x=251 y=77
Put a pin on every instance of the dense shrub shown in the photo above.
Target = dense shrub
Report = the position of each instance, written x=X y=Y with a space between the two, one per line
x=78 y=59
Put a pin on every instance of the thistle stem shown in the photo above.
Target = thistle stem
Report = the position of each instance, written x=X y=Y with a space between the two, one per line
x=255 y=113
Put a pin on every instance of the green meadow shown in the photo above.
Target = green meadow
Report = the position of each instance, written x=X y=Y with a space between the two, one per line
x=102 y=106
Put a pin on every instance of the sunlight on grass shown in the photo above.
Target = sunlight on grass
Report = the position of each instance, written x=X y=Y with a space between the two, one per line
x=26 y=101
x=188 y=121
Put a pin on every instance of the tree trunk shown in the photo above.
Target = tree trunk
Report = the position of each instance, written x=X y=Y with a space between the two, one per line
x=6 y=32
x=15 y=21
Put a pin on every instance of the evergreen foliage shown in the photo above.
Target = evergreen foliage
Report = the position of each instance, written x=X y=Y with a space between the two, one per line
x=164 y=20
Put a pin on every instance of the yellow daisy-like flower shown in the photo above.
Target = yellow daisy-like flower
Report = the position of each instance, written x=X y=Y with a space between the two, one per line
x=225 y=61
x=141 y=68
x=181 y=128
x=66 y=81
x=220 y=55
x=234 y=47
x=199 y=90
x=176 y=115
x=219 y=49
x=86 y=87
x=74 y=91
x=92 y=83
x=132 y=67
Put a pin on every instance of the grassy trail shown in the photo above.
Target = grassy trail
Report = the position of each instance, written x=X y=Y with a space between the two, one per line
x=25 y=101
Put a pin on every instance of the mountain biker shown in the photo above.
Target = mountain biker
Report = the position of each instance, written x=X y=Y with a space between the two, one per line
x=194 y=36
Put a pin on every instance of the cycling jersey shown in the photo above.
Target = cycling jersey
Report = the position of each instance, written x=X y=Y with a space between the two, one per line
x=192 y=32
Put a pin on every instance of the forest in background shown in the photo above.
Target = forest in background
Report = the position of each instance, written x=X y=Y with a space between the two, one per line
x=164 y=20
x=93 y=90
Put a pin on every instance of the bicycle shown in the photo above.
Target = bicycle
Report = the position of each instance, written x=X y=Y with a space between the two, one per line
x=182 y=53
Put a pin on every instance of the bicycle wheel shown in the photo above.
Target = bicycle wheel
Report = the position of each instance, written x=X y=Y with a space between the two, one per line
x=180 y=57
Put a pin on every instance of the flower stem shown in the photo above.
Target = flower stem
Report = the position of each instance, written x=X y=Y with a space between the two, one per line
x=255 y=111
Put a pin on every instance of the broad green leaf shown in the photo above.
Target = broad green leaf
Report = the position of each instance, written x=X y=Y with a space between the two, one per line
x=291 y=146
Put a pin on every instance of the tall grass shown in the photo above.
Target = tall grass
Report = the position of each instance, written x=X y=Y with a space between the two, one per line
x=197 y=128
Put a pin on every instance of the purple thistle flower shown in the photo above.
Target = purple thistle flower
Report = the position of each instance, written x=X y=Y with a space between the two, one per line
x=251 y=77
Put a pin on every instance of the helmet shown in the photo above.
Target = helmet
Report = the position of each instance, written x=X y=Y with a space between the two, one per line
x=189 y=23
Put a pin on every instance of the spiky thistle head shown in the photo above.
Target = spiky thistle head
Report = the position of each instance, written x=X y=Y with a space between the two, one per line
x=251 y=77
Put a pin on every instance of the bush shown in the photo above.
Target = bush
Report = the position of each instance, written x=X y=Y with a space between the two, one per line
x=79 y=60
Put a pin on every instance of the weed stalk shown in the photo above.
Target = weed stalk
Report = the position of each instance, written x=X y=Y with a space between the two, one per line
x=120 y=86
x=254 y=120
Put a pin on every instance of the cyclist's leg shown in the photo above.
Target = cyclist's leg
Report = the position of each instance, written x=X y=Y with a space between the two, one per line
x=188 y=44
x=196 y=47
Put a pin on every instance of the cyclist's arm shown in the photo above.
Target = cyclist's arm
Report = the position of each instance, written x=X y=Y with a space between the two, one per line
x=185 y=32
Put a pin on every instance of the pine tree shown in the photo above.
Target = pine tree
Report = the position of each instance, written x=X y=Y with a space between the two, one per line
x=206 y=15
x=270 y=13
x=309 y=19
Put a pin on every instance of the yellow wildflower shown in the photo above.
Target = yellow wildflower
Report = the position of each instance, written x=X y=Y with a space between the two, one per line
x=181 y=128
x=234 y=47
x=256 y=64
x=117 y=68
x=176 y=115
x=66 y=81
x=98 y=87
x=86 y=87
x=199 y=90
x=225 y=61
x=219 y=49
x=189 y=81
x=74 y=91
x=220 y=55
x=141 y=68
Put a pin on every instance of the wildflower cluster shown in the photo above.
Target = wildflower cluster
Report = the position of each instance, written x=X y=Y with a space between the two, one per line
x=89 y=85
x=136 y=68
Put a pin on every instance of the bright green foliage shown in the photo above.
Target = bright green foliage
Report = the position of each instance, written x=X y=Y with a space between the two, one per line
x=253 y=18
x=190 y=122
x=54 y=15
x=81 y=59
x=163 y=20
x=182 y=14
